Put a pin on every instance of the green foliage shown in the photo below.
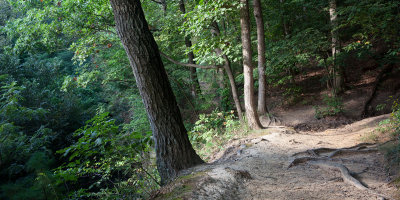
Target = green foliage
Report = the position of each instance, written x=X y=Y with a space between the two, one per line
x=391 y=126
x=212 y=130
x=292 y=94
x=62 y=63
x=334 y=106
x=108 y=161
x=396 y=117
x=197 y=25
x=22 y=152
x=36 y=118
x=226 y=102
x=373 y=18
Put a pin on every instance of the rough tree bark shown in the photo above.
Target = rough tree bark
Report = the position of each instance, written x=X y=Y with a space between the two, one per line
x=336 y=72
x=251 y=114
x=173 y=149
x=227 y=67
x=262 y=82
x=195 y=86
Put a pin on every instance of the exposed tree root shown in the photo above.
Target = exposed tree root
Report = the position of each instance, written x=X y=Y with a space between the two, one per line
x=347 y=177
x=357 y=149
x=327 y=161
x=351 y=151
x=300 y=160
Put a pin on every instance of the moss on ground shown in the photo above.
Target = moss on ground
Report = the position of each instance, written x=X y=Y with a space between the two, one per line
x=181 y=188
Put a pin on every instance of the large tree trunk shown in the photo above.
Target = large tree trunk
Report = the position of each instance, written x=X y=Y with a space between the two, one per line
x=262 y=82
x=251 y=114
x=195 y=86
x=173 y=149
x=336 y=72
x=227 y=67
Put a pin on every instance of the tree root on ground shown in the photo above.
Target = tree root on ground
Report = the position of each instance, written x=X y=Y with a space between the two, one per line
x=357 y=149
x=327 y=161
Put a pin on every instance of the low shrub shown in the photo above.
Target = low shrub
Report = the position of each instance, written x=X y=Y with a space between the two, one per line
x=213 y=130
x=334 y=106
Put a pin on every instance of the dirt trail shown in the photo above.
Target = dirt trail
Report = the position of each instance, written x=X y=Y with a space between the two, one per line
x=257 y=168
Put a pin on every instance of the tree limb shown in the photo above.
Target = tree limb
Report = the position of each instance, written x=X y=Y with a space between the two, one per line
x=189 y=65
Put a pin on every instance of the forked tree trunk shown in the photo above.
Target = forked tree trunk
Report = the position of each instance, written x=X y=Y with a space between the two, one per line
x=251 y=114
x=173 y=149
x=336 y=72
x=262 y=82
x=195 y=86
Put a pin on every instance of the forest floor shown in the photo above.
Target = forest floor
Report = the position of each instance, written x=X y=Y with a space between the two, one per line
x=263 y=165
x=257 y=167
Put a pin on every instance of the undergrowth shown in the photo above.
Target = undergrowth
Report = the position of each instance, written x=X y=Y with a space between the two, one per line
x=212 y=131
x=110 y=163
x=390 y=129
x=334 y=106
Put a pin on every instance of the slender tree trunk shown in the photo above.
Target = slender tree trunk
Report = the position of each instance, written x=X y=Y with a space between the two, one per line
x=262 y=82
x=336 y=71
x=228 y=69
x=251 y=114
x=195 y=85
x=173 y=149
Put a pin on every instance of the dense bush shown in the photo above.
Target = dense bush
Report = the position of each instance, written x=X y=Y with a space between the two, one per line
x=108 y=162
x=213 y=130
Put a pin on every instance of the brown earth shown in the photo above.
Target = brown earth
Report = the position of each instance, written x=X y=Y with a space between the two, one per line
x=256 y=167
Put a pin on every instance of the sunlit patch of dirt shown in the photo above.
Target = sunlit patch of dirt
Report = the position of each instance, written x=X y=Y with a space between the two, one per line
x=256 y=167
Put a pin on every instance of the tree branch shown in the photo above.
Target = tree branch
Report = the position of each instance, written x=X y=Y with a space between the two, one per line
x=189 y=65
